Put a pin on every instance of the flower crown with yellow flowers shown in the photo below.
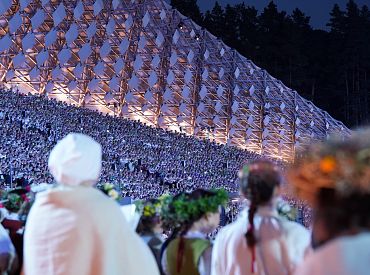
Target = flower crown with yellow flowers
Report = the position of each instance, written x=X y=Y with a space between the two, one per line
x=340 y=165
x=109 y=189
x=148 y=209
x=255 y=166
x=152 y=208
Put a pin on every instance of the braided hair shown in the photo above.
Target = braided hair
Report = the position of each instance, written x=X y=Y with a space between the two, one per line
x=257 y=184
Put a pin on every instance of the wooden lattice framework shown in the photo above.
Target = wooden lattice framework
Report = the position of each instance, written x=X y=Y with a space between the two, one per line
x=142 y=59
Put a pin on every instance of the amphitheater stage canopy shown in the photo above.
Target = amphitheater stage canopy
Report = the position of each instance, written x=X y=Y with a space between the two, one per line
x=144 y=60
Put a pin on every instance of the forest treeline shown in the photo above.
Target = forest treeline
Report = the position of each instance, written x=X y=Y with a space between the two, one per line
x=331 y=68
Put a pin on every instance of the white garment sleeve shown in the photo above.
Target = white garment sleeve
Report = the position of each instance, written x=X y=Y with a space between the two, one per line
x=217 y=267
x=164 y=262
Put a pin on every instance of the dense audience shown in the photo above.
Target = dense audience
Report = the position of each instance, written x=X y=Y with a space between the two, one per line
x=143 y=161
x=263 y=239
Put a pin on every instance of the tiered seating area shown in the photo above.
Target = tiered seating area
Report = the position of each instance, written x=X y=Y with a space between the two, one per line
x=143 y=161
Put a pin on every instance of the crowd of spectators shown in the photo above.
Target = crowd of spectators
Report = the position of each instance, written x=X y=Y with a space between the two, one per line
x=144 y=161
x=141 y=161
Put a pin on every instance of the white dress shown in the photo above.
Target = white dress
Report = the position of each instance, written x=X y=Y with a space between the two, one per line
x=280 y=249
x=342 y=256
x=79 y=230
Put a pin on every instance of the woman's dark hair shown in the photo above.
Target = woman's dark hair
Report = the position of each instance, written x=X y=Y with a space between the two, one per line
x=146 y=224
x=258 y=185
x=342 y=215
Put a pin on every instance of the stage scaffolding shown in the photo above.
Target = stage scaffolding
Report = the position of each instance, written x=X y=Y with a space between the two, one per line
x=143 y=60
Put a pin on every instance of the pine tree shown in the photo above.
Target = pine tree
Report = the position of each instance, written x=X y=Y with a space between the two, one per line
x=188 y=8
x=324 y=66
x=336 y=22
x=214 y=20
x=300 y=20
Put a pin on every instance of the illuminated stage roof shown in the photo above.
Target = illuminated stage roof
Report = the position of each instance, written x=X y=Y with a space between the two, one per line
x=144 y=60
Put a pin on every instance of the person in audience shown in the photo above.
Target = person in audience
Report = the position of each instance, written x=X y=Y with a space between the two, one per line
x=190 y=252
x=150 y=226
x=8 y=256
x=74 y=228
x=259 y=241
x=334 y=177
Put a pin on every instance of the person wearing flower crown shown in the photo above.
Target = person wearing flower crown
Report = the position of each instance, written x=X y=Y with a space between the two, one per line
x=197 y=214
x=74 y=228
x=150 y=226
x=259 y=241
x=334 y=178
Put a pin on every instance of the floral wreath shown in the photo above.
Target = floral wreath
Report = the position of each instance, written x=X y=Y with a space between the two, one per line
x=109 y=190
x=13 y=201
x=184 y=209
x=286 y=211
x=248 y=168
x=343 y=166
x=149 y=209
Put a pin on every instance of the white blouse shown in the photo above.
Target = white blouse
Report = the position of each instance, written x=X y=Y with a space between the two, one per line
x=280 y=249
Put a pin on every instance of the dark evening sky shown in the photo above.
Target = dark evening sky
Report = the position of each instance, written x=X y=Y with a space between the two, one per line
x=317 y=9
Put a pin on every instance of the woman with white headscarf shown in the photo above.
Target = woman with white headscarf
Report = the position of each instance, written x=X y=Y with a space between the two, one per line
x=74 y=228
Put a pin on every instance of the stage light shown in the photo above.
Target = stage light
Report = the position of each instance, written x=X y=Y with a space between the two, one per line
x=181 y=25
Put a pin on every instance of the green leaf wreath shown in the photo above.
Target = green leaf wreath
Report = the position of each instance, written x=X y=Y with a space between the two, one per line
x=183 y=209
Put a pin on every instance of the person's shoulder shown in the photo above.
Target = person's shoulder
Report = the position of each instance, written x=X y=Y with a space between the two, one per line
x=227 y=228
x=292 y=227
x=320 y=261
x=296 y=236
x=232 y=230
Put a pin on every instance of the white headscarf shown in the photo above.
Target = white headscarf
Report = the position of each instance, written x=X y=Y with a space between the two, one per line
x=75 y=229
x=76 y=160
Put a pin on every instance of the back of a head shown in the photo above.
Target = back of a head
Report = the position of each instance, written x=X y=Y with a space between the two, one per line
x=187 y=208
x=259 y=180
x=76 y=160
x=149 y=217
x=198 y=194
x=334 y=177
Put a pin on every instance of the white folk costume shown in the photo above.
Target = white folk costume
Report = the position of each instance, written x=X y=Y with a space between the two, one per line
x=341 y=256
x=280 y=248
x=75 y=229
